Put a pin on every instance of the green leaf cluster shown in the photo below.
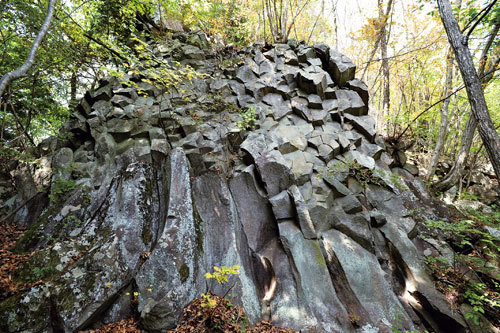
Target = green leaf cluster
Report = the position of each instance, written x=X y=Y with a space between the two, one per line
x=247 y=119
x=221 y=274
x=477 y=250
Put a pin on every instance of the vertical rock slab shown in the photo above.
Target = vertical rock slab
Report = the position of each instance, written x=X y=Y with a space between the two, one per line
x=274 y=172
x=367 y=280
x=419 y=289
x=340 y=67
x=224 y=242
x=115 y=239
x=166 y=281
x=275 y=285
x=322 y=308
x=303 y=217
x=254 y=210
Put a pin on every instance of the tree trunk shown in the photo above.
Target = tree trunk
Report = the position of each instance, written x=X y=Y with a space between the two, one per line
x=473 y=86
x=379 y=36
x=321 y=13
x=486 y=70
x=385 y=62
x=73 y=88
x=443 y=128
x=463 y=153
x=335 y=27
x=21 y=71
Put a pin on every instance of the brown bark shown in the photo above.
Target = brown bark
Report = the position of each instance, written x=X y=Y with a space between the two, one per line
x=73 y=88
x=473 y=85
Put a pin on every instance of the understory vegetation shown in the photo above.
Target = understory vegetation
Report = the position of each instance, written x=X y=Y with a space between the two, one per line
x=471 y=273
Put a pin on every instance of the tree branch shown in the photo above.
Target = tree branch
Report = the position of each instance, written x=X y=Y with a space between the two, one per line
x=486 y=11
x=441 y=100
x=20 y=72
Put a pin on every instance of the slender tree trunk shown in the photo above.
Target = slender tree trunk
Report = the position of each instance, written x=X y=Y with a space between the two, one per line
x=316 y=22
x=284 y=19
x=21 y=71
x=379 y=36
x=4 y=120
x=73 y=87
x=479 y=109
x=335 y=27
x=386 y=101
x=443 y=128
x=461 y=158
x=298 y=11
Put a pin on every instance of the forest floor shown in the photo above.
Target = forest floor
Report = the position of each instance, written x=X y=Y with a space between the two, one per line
x=9 y=262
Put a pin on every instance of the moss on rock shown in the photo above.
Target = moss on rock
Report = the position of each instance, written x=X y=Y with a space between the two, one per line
x=184 y=272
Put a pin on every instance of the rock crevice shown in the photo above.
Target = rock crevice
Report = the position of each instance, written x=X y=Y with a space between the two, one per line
x=172 y=182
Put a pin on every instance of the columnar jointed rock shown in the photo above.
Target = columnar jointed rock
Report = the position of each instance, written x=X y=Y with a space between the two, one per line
x=274 y=166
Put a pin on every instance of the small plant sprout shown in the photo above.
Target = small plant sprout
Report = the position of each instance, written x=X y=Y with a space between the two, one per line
x=220 y=274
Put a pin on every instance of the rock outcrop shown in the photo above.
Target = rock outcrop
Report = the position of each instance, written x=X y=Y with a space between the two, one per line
x=271 y=163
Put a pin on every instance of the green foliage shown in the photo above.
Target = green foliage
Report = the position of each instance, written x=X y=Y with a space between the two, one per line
x=221 y=275
x=39 y=273
x=489 y=218
x=352 y=168
x=225 y=18
x=397 y=327
x=231 y=62
x=141 y=62
x=366 y=176
x=396 y=181
x=9 y=153
x=60 y=188
x=467 y=196
x=467 y=233
x=247 y=119
x=38 y=101
x=478 y=250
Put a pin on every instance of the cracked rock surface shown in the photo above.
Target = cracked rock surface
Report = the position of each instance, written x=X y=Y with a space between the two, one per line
x=170 y=184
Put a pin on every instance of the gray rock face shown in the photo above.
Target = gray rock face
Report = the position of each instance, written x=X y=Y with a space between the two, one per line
x=172 y=264
x=172 y=185
x=340 y=68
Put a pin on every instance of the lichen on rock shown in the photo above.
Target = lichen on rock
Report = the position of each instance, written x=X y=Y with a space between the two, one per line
x=174 y=186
